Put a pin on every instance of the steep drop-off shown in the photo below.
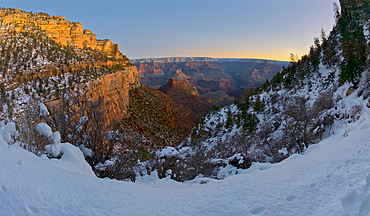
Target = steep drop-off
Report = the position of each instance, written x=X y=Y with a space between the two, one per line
x=161 y=120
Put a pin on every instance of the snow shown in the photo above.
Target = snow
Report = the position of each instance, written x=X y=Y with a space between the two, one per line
x=86 y=151
x=7 y=131
x=167 y=152
x=83 y=119
x=44 y=129
x=2 y=143
x=331 y=178
x=103 y=166
x=56 y=138
x=43 y=109
x=53 y=150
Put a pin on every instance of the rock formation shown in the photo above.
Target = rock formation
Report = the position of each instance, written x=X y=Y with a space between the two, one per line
x=186 y=96
x=114 y=88
x=113 y=84
x=109 y=48
x=60 y=30
x=174 y=87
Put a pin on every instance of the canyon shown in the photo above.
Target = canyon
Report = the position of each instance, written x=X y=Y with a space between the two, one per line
x=219 y=79
x=97 y=70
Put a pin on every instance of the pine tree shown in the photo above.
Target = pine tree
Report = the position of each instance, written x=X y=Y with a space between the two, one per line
x=353 y=44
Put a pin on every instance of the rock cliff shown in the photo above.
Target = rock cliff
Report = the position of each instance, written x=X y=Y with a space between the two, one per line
x=60 y=30
x=186 y=96
x=63 y=61
x=114 y=88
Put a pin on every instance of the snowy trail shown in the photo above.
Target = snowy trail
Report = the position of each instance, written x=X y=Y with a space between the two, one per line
x=333 y=178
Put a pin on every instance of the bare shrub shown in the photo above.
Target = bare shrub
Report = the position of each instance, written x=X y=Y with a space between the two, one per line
x=30 y=139
x=323 y=102
x=355 y=112
x=83 y=122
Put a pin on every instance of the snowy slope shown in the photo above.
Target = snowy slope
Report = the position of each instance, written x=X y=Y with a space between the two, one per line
x=331 y=178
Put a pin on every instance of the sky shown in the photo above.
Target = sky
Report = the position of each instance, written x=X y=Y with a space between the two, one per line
x=263 y=29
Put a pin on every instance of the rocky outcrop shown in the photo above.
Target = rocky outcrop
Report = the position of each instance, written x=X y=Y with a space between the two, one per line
x=177 y=74
x=186 y=96
x=109 y=48
x=60 y=30
x=174 y=87
x=114 y=88
x=89 y=38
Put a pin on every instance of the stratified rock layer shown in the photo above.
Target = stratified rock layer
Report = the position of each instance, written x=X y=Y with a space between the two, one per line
x=114 y=88
x=60 y=30
x=186 y=96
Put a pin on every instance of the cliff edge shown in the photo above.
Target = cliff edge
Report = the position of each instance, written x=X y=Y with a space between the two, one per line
x=60 y=30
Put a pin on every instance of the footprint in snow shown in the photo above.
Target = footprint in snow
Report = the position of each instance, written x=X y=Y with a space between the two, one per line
x=3 y=188
x=291 y=198
x=313 y=185
x=329 y=176
x=257 y=211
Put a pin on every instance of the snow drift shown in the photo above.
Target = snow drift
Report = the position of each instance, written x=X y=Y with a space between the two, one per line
x=331 y=178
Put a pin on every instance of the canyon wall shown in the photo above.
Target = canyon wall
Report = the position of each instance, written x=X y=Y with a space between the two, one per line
x=114 y=88
x=60 y=30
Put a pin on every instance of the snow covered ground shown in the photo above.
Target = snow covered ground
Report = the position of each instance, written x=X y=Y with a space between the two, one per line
x=331 y=178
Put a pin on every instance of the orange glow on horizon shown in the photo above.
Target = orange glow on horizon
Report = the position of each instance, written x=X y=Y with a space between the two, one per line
x=252 y=57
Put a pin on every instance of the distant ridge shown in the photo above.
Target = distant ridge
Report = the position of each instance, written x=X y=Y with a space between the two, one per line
x=251 y=60
x=202 y=59
x=171 y=59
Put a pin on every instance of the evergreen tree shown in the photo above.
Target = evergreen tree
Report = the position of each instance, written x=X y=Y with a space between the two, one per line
x=353 y=45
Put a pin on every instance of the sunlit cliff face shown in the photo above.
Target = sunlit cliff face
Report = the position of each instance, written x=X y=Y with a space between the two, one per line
x=61 y=31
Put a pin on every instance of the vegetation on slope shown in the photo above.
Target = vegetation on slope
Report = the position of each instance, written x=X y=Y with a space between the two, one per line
x=297 y=108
